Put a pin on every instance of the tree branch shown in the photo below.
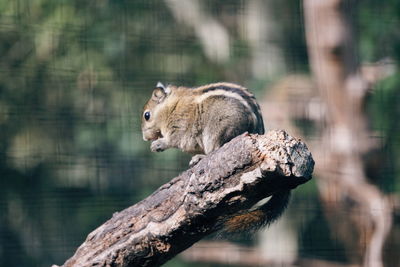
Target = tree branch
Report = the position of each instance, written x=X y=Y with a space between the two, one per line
x=198 y=202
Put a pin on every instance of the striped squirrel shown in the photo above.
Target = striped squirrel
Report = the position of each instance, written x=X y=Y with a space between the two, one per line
x=200 y=120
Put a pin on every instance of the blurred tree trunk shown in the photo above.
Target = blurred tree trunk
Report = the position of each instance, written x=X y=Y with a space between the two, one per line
x=261 y=31
x=356 y=210
x=212 y=35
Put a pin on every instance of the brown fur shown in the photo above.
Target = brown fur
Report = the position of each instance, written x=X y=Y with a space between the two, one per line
x=196 y=121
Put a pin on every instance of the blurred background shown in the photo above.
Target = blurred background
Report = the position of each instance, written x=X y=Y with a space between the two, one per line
x=74 y=76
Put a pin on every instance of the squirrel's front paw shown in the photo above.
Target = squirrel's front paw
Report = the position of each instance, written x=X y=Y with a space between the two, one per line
x=195 y=159
x=158 y=146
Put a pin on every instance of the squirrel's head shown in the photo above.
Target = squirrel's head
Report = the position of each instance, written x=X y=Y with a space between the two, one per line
x=152 y=112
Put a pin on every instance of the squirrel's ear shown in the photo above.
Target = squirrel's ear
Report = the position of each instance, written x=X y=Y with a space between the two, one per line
x=160 y=85
x=158 y=94
x=167 y=89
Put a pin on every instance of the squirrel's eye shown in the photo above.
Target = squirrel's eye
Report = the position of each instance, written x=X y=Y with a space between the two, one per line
x=146 y=115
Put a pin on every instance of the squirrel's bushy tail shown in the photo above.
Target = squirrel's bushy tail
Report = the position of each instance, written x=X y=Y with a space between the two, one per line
x=261 y=216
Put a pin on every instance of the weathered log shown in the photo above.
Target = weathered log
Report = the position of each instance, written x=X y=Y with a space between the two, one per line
x=197 y=202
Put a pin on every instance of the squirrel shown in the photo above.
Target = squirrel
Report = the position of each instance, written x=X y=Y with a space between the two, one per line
x=200 y=120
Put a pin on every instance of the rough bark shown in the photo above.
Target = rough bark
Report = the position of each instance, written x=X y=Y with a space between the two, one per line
x=197 y=202
x=358 y=212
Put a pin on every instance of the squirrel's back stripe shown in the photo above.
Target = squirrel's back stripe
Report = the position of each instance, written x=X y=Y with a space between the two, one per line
x=234 y=91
